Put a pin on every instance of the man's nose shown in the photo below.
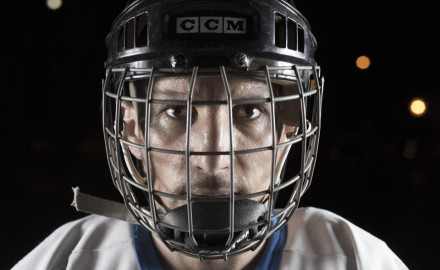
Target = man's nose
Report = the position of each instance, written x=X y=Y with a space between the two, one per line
x=210 y=133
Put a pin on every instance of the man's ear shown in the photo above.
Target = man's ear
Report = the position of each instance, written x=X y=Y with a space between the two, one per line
x=131 y=127
x=288 y=130
x=287 y=133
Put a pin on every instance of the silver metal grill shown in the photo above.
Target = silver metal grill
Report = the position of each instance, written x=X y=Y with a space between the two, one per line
x=130 y=178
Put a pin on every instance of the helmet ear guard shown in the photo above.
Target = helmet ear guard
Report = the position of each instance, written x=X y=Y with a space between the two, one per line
x=256 y=49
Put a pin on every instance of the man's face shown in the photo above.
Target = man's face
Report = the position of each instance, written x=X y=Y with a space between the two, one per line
x=210 y=132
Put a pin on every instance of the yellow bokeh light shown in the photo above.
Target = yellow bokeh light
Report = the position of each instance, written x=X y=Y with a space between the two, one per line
x=54 y=4
x=363 y=62
x=417 y=107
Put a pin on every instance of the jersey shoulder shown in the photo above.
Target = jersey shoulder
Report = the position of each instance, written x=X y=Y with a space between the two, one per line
x=96 y=241
x=320 y=239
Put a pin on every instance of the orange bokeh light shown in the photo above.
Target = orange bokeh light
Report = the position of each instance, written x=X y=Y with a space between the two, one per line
x=363 y=62
x=417 y=107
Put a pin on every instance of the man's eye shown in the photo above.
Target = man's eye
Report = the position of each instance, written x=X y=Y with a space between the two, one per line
x=247 y=111
x=176 y=112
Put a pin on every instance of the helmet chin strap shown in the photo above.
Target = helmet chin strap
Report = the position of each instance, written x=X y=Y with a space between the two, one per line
x=99 y=206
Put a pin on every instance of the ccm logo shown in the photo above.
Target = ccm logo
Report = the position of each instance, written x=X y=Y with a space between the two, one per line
x=223 y=25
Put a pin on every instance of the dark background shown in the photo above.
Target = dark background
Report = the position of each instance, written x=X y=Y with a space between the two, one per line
x=52 y=135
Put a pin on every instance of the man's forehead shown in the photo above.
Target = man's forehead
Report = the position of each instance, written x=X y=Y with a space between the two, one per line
x=237 y=84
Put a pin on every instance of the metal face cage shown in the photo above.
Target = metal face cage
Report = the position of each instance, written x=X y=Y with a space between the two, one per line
x=147 y=205
x=211 y=53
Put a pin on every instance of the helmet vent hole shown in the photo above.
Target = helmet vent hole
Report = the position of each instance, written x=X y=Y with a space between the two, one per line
x=300 y=39
x=129 y=35
x=280 y=30
x=141 y=30
x=291 y=34
x=121 y=39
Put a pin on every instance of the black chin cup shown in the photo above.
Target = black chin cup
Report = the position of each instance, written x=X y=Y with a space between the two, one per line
x=211 y=223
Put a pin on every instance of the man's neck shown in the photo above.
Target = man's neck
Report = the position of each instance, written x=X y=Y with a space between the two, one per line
x=175 y=260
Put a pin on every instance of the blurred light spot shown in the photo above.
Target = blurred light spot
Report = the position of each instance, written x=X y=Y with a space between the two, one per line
x=54 y=4
x=410 y=149
x=417 y=107
x=363 y=62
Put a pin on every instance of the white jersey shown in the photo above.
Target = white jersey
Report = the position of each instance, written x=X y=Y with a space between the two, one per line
x=316 y=239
